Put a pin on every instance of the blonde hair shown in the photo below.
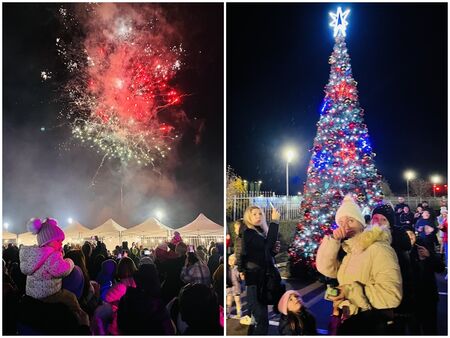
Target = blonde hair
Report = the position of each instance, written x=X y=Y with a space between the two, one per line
x=249 y=224
x=232 y=258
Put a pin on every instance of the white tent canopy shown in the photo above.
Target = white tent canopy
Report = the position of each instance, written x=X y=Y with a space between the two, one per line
x=149 y=228
x=201 y=226
x=6 y=235
x=109 y=228
x=27 y=238
x=76 y=230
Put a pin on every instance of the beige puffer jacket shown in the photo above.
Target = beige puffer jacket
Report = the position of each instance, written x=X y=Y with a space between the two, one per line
x=370 y=272
x=45 y=269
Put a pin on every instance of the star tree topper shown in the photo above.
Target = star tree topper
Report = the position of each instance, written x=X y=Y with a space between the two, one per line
x=339 y=22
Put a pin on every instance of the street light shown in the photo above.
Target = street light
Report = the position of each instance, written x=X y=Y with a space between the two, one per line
x=159 y=214
x=435 y=179
x=289 y=154
x=5 y=225
x=409 y=175
x=70 y=220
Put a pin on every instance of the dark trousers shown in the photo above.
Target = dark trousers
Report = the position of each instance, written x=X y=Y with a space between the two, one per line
x=427 y=317
x=258 y=311
x=367 y=323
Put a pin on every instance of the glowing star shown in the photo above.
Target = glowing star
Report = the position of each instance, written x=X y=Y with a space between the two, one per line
x=339 y=22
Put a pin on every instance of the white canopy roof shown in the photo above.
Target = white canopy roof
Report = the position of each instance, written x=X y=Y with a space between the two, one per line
x=6 y=235
x=76 y=230
x=110 y=227
x=201 y=226
x=27 y=238
x=151 y=228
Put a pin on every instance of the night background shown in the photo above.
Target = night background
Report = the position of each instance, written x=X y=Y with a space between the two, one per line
x=277 y=67
x=41 y=177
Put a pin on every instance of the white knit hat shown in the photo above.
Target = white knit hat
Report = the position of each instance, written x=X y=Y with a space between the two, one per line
x=351 y=209
x=444 y=209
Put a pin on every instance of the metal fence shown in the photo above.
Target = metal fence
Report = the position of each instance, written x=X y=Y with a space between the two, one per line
x=289 y=206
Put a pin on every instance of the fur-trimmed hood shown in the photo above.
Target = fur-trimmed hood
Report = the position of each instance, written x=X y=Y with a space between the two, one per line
x=362 y=241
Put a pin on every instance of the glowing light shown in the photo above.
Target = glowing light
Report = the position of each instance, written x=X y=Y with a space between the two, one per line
x=436 y=179
x=409 y=175
x=289 y=154
x=70 y=220
x=6 y=225
x=339 y=22
x=159 y=214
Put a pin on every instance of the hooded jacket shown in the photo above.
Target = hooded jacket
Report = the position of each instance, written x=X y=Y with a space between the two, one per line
x=370 y=272
x=45 y=268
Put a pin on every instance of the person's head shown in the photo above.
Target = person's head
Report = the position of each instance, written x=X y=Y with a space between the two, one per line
x=214 y=251
x=350 y=217
x=424 y=204
x=232 y=260
x=406 y=209
x=419 y=209
x=74 y=282
x=126 y=268
x=291 y=301
x=239 y=226
x=77 y=257
x=171 y=246
x=401 y=199
x=48 y=232
x=254 y=216
x=107 y=272
x=412 y=236
x=212 y=244
x=199 y=306
x=87 y=250
x=383 y=216
x=147 y=280
x=192 y=258
x=181 y=249
x=426 y=214
x=444 y=213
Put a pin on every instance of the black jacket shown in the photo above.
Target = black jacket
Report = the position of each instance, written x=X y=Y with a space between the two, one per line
x=308 y=323
x=255 y=252
x=405 y=218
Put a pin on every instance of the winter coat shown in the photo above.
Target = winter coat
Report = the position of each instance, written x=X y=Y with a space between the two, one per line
x=421 y=223
x=255 y=252
x=140 y=313
x=196 y=273
x=116 y=292
x=424 y=278
x=405 y=218
x=238 y=252
x=370 y=271
x=45 y=268
x=213 y=263
x=235 y=280
x=172 y=282
x=308 y=321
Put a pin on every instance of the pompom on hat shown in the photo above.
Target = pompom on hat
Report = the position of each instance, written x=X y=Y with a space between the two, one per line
x=46 y=230
x=350 y=209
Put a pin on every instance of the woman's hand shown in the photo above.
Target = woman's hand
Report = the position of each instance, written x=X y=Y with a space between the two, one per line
x=275 y=214
x=339 y=297
x=340 y=233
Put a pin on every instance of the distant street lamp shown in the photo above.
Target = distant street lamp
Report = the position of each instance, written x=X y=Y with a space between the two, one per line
x=409 y=175
x=435 y=179
x=159 y=214
x=5 y=225
x=70 y=220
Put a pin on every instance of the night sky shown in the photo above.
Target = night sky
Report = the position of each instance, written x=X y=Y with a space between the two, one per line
x=277 y=67
x=41 y=178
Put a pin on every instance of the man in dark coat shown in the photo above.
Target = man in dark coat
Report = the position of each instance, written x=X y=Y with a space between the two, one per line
x=399 y=209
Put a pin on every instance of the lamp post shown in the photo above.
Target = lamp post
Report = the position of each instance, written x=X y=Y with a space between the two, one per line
x=409 y=175
x=435 y=179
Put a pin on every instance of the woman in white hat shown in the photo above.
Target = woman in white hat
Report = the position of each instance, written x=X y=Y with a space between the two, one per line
x=370 y=283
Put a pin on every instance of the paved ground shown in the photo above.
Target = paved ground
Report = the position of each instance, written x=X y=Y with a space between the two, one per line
x=313 y=294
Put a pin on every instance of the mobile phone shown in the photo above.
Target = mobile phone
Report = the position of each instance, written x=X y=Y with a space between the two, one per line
x=119 y=256
x=191 y=248
x=147 y=252
x=333 y=292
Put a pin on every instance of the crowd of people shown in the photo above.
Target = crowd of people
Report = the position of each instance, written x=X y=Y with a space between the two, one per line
x=51 y=289
x=381 y=271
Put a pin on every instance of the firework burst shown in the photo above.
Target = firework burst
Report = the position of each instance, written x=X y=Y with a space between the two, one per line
x=121 y=61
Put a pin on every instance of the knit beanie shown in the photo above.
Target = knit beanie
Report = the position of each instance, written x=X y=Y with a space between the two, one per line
x=351 y=209
x=282 y=304
x=74 y=282
x=387 y=211
x=46 y=231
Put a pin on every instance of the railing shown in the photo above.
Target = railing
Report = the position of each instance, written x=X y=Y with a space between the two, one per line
x=288 y=206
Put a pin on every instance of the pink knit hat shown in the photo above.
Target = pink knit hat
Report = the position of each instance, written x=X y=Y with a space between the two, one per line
x=46 y=231
x=282 y=304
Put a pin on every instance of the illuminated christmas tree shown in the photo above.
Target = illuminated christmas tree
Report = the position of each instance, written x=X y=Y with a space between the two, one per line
x=342 y=160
